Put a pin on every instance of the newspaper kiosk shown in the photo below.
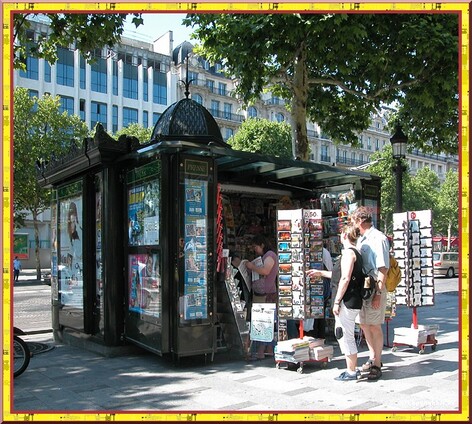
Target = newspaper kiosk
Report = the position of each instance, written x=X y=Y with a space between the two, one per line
x=141 y=233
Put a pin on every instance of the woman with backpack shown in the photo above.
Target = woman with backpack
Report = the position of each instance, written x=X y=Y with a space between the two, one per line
x=348 y=275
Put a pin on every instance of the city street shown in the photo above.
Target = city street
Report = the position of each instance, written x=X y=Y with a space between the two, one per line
x=69 y=378
x=32 y=301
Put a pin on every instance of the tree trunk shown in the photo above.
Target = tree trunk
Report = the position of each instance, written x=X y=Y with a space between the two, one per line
x=300 y=146
x=36 y=242
x=449 y=229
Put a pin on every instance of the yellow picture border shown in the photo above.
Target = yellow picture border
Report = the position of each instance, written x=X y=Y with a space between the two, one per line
x=461 y=7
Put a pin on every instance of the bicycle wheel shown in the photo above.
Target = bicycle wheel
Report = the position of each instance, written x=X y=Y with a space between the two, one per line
x=21 y=356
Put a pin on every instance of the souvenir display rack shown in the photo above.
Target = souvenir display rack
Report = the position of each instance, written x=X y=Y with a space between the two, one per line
x=300 y=247
x=413 y=249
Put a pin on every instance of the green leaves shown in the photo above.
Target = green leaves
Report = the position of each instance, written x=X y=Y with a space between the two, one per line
x=420 y=191
x=353 y=64
x=136 y=130
x=263 y=136
x=40 y=131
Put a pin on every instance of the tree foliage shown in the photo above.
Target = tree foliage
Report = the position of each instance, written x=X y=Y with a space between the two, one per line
x=422 y=191
x=40 y=131
x=263 y=136
x=87 y=31
x=136 y=130
x=382 y=164
x=337 y=69
x=447 y=219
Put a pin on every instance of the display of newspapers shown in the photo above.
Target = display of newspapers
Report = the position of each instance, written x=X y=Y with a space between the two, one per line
x=242 y=268
x=415 y=336
x=259 y=264
x=303 y=350
x=292 y=350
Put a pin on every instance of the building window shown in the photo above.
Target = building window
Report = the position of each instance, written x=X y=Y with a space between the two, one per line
x=65 y=67
x=130 y=116
x=252 y=112
x=130 y=81
x=98 y=114
x=228 y=108
x=377 y=144
x=67 y=105
x=115 y=78
x=197 y=98
x=83 y=77
x=361 y=141
x=99 y=76
x=210 y=85
x=279 y=117
x=145 y=85
x=82 y=109
x=145 y=119
x=155 y=117
x=369 y=145
x=114 y=113
x=193 y=77
x=215 y=108
x=361 y=158
x=222 y=89
x=324 y=153
x=159 y=94
x=228 y=133
x=32 y=68
x=344 y=156
x=33 y=93
x=353 y=158
x=47 y=71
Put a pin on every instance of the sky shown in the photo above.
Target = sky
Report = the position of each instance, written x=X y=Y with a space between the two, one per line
x=157 y=24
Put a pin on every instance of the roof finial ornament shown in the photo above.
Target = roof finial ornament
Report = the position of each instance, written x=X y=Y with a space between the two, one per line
x=187 y=82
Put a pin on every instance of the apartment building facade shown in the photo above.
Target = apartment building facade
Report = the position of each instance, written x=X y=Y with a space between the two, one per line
x=137 y=80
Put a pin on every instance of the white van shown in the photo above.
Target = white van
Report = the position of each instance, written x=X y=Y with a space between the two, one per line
x=446 y=264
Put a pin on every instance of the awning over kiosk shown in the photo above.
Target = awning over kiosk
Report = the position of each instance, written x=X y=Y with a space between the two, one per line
x=252 y=169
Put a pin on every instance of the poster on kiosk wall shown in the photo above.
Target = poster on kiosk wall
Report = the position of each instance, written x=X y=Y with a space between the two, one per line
x=195 y=299
x=300 y=247
x=71 y=260
x=144 y=284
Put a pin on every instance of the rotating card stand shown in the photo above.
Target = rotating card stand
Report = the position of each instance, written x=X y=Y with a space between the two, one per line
x=414 y=249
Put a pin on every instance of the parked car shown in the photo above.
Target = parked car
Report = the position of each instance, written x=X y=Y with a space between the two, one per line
x=446 y=264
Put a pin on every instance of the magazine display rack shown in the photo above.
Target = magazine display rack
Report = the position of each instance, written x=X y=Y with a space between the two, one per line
x=413 y=249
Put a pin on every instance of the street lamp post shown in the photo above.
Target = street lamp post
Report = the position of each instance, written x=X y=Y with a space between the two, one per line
x=399 y=142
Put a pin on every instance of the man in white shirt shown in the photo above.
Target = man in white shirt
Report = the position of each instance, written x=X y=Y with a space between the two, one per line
x=374 y=248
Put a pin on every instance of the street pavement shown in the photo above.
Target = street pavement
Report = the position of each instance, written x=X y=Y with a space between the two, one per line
x=68 y=379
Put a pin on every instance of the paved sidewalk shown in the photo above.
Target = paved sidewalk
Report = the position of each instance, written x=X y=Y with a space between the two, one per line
x=68 y=378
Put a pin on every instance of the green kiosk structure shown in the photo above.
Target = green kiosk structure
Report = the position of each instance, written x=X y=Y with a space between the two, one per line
x=143 y=235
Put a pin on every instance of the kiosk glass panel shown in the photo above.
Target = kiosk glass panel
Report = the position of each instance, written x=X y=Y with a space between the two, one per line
x=70 y=267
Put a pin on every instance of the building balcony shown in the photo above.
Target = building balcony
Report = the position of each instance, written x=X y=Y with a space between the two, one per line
x=349 y=161
x=221 y=114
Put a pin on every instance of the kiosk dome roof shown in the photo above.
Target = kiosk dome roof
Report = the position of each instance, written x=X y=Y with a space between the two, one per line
x=187 y=120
